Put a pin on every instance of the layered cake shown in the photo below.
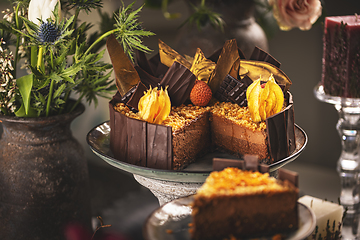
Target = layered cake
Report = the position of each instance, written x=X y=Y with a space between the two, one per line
x=180 y=109
x=237 y=204
x=341 y=56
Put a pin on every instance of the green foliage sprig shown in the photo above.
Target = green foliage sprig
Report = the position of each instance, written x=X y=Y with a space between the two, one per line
x=62 y=59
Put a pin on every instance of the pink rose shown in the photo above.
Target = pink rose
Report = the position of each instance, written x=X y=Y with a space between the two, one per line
x=296 y=13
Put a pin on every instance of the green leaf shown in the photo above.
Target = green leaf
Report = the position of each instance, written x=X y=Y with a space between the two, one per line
x=55 y=76
x=60 y=90
x=24 y=84
x=22 y=113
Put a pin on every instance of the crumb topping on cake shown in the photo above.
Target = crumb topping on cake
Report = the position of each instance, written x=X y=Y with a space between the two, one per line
x=239 y=115
x=184 y=115
x=123 y=109
x=234 y=181
x=178 y=117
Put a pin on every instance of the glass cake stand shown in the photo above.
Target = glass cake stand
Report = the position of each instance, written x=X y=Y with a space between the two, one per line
x=348 y=165
x=168 y=185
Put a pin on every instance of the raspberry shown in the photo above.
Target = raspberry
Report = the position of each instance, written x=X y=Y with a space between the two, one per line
x=200 y=94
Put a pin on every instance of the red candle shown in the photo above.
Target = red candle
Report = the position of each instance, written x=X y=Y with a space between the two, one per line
x=341 y=56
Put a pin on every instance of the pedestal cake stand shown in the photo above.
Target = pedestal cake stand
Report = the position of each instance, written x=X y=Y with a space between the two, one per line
x=168 y=185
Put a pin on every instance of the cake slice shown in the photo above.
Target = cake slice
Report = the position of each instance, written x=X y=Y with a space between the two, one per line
x=242 y=204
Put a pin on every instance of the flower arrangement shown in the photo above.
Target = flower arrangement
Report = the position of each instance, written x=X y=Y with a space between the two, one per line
x=61 y=59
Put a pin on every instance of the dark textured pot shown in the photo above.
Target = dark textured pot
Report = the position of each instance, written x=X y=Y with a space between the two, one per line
x=44 y=182
x=240 y=25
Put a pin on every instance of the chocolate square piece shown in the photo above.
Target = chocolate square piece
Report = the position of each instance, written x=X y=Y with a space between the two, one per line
x=233 y=90
x=222 y=163
x=288 y=175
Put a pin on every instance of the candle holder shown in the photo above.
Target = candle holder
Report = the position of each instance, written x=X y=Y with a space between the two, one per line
x=348 y=165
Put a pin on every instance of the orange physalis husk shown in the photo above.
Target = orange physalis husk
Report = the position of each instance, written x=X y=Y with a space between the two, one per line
x=154 y=106
x=264 y=100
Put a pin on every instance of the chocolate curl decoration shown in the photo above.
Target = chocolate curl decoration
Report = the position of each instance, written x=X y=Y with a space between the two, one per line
x=143 y=63
x=180 y=81
x=125 y=73
x=260 y=55
x=281 y=132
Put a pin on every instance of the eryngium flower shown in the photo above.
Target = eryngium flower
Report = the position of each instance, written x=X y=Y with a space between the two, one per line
x=48 y=32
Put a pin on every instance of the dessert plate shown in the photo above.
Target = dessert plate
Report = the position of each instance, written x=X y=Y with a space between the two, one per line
x=99 y=141
x=171 y=221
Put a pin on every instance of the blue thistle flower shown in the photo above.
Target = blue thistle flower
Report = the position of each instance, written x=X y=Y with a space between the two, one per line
x=48 y=32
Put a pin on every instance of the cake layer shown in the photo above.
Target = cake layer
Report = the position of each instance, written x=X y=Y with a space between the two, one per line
x=236 y=203
x=237 y=139
x=191 y=142
x=244 y=216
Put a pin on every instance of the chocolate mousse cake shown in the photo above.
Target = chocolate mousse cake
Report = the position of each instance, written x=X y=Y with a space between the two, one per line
x=237 y=204
x=189 y=131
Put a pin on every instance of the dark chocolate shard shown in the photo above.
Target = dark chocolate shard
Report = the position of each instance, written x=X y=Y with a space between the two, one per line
x=281 y=133
x=143 y=62
x=138 y=92
x=159 y=146
x=180 y=81
x=229 y=54
x=168 y=56
x=233 y=90
x=147 y=79
x=234 y=71
x=291 y=176
x=158 y=68
x=125 y=74
x=215 y=56
x=261 y=55
x=125 y=99
x=222 y=163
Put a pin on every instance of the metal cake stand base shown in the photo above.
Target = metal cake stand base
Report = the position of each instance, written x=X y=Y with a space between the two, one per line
x=166 y=191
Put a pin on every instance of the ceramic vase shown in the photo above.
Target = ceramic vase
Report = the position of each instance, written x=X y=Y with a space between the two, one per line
x=44 y=182
x=240 y=24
